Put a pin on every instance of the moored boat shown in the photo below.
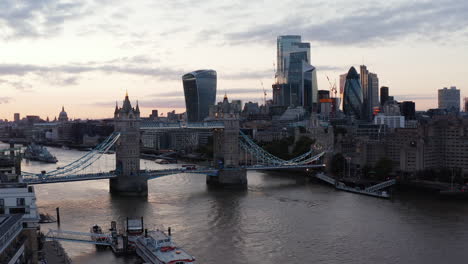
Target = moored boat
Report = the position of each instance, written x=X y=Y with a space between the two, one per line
x=156 y=247
x=39 y=153
x=98 y=236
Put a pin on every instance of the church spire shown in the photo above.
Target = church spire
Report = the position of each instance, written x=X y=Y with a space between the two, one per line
x=116 y=108
x=137 y=109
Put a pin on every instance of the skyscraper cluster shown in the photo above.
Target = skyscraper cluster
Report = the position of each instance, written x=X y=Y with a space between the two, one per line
x=296 y=78
x=360 y=93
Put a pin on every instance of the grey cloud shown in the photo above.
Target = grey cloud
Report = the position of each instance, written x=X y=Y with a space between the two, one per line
x=236 y=91
x=38 y=18
x=248 y=74
x=147 y=103
x=426 y=19
x=18 y=85
x=5 y=100
x=23 y=69
x=229 y=91
x=329 y=68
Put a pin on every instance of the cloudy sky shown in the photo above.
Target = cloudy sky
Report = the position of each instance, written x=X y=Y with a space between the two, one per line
x=85 y=54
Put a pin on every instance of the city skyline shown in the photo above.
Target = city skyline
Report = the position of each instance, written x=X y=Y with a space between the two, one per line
x=56 y=53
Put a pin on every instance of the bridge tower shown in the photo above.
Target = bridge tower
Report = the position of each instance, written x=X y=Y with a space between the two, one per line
x=129 y=182
x=226 y=146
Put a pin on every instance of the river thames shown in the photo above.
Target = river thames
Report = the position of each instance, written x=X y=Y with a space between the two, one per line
x=280 y=218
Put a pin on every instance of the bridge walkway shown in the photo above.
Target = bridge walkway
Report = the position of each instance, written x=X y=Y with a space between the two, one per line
x=381 y=185
x=80 y=237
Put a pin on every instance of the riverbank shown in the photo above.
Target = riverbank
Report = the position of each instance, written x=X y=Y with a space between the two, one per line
x=53 y=253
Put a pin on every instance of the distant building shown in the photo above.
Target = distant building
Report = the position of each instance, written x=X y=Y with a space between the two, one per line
x=384 y=96
x=390 y=121
x=225 y=110
x=325 y=105
x=352 y=96
x=323 y=94
x=200 y=93
x=466 y=104
x=16 y=117
x=33 y=119
x=63 y=117
x=408 y=109
x=296 y=78
x=449 y=98
x=391 y=108
x=154 y=115
x=370 y=91
x=238 y=102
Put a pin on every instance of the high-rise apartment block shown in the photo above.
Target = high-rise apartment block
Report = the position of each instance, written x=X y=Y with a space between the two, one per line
x=449 y=98
x=200 y=93
x=296 y=78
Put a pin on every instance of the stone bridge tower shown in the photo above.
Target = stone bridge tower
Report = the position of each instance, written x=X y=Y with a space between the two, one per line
x=127 y=155
x=226 y=146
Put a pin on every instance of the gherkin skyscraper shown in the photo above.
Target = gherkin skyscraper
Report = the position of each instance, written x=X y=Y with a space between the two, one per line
x=352 y=96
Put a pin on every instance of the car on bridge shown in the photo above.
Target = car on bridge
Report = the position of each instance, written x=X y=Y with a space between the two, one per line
x=189 y=167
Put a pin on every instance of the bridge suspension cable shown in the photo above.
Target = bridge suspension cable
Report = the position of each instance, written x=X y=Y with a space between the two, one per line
x=259 y=153
x=80 y=164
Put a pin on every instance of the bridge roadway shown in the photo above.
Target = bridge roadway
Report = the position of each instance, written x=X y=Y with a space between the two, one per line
x=150 y=125
x=150 y=174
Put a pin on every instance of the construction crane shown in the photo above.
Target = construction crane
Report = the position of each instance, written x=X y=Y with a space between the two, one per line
x=332 y=87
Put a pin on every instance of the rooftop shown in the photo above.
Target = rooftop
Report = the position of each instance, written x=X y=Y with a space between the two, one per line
x=6 y=221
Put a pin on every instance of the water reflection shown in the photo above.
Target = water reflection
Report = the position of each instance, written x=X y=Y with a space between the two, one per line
x=280 y=218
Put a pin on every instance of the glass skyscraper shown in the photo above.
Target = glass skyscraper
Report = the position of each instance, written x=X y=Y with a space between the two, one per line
x=353 y=98
x=296 y=79
x=200 y=93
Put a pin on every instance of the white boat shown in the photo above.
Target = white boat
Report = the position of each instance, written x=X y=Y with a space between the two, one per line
x=155 y=247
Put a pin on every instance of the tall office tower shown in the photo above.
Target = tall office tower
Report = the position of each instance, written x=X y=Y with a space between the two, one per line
x=466 y=104
x=374 y=87
x=449 y=98
x=296 y=79
x=342 y=82
x=383 y=95
x=370 y=92
x=408 y=109
x=200 y=93
x=352 y=96
x=16 y=117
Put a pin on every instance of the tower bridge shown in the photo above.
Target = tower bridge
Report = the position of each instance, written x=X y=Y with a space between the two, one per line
x=129 y=179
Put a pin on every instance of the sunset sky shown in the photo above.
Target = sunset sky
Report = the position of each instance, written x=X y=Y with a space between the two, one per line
x=86 y=54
